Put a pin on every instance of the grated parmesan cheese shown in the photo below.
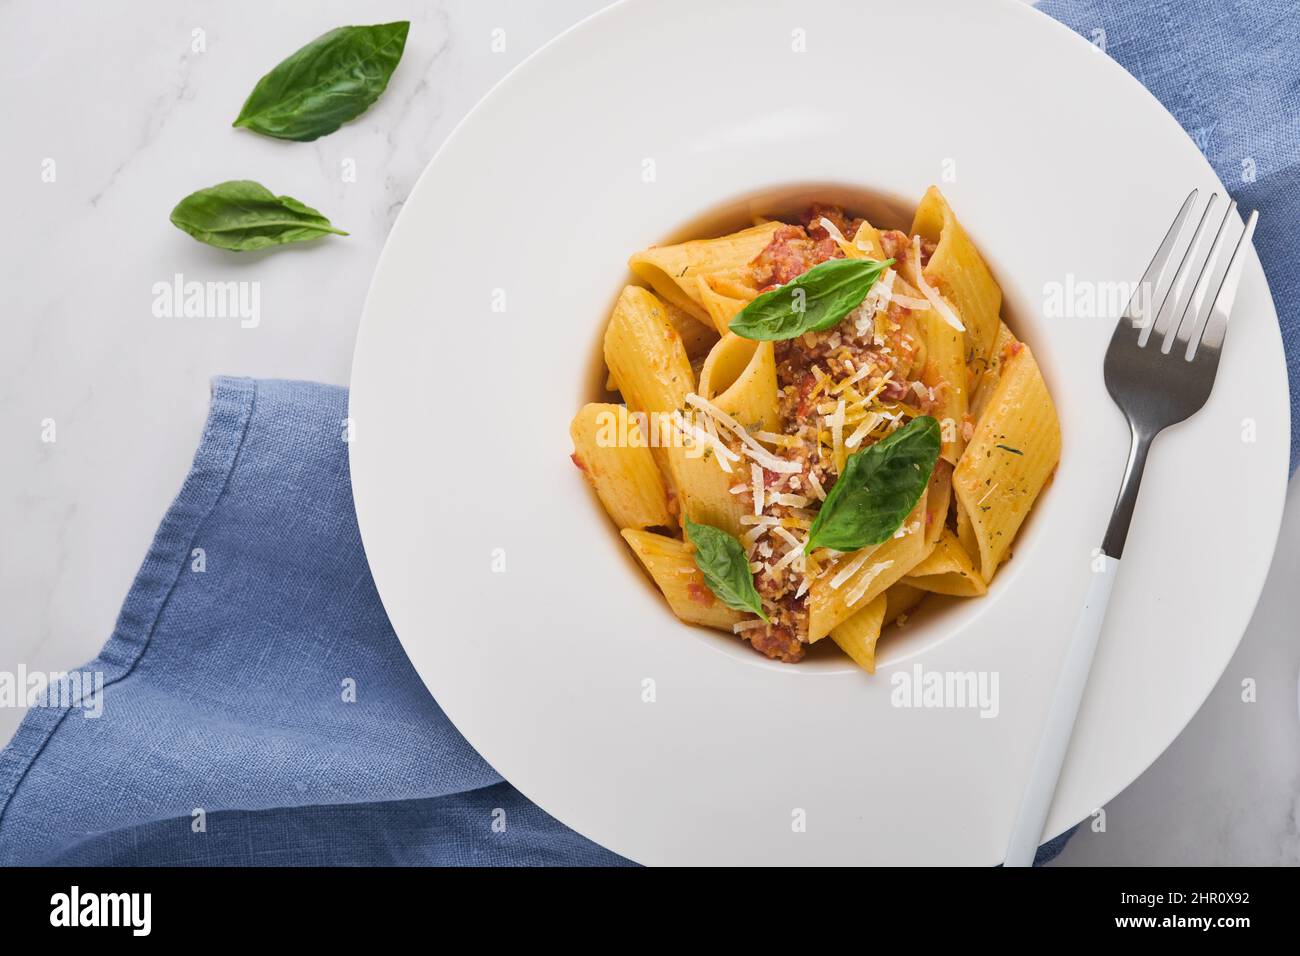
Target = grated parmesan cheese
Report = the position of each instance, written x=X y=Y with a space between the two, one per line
x=836 y=422
x=723 y=453
x=907 y=302
x=752 y=448
x=849 y=570
x=863 y=430
x=859 y=589
x=936 y=300
x=787 y=537
x=833 y=230
x=790 y=501
x=816 y=486
x=853 y=379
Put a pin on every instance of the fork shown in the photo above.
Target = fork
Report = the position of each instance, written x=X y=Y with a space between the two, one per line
x=1159 y=373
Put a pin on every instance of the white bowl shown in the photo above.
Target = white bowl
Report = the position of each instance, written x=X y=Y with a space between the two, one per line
x=1066 y=170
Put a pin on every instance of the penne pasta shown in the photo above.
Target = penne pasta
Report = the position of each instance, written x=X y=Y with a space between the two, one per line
x=858 y=635
x=938 y=500
x=614 y=455
x=944 y=373
x=1009 y=459
x=859 y=577
x=739 y=377
x=697 y=338
x=721 y=308
x=901 y=600
x=704 y=487
x=947 y=570
x=674 y=271
x=958 y=272
x=671 y=564
x=867 y=239
x=839 y=436
x=985 y=377
x=646 y=355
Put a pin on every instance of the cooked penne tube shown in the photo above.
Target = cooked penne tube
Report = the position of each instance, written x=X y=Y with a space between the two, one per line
x=739 y=377
x=902 y=599
x=858 y=635
x=957 y=271
x=671 y=564
x=944 y=373
x=947 y=570
x=825 y=436
x=673 y=271
x=614 y=455
x=646 y=355
x=986 y=376
x=858 y=577
x=1009 y=459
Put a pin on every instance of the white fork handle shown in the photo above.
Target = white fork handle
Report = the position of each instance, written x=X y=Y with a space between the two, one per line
x=1055 y=741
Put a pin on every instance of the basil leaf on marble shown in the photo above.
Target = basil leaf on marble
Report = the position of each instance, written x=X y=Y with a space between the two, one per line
x=333 y=79
x=242 y=215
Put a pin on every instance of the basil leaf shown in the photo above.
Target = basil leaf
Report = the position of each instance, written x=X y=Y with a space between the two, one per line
x=333 y=79
x=244 y=215
x=726 y=569
x=880 y=486
x=812 y=302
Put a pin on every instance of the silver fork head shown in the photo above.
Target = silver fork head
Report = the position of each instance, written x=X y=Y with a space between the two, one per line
x=1164 y=354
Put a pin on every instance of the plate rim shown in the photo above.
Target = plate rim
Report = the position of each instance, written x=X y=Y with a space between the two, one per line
x=367 y=327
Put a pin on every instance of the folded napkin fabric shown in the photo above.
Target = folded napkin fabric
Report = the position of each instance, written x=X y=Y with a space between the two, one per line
x=257 y=707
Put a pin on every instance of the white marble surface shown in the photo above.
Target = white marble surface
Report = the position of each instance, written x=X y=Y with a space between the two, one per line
x=134 y=118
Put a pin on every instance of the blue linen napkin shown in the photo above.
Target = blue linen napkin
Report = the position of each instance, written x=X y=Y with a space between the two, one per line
x=256 y=706
x=1230 y=74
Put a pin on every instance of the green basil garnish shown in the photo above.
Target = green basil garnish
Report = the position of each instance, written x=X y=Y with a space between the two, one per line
x=724 y=565
x=812 y=302
x=879 y=488
x=244 y=215
x=333 y=79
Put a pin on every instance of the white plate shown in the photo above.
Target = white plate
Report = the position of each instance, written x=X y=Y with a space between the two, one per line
x=1064 y=167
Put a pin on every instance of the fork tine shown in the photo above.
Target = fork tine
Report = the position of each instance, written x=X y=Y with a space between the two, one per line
x=1137 y=315
x=1174 y=295
x=1216 y=327
x=1194 y=311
